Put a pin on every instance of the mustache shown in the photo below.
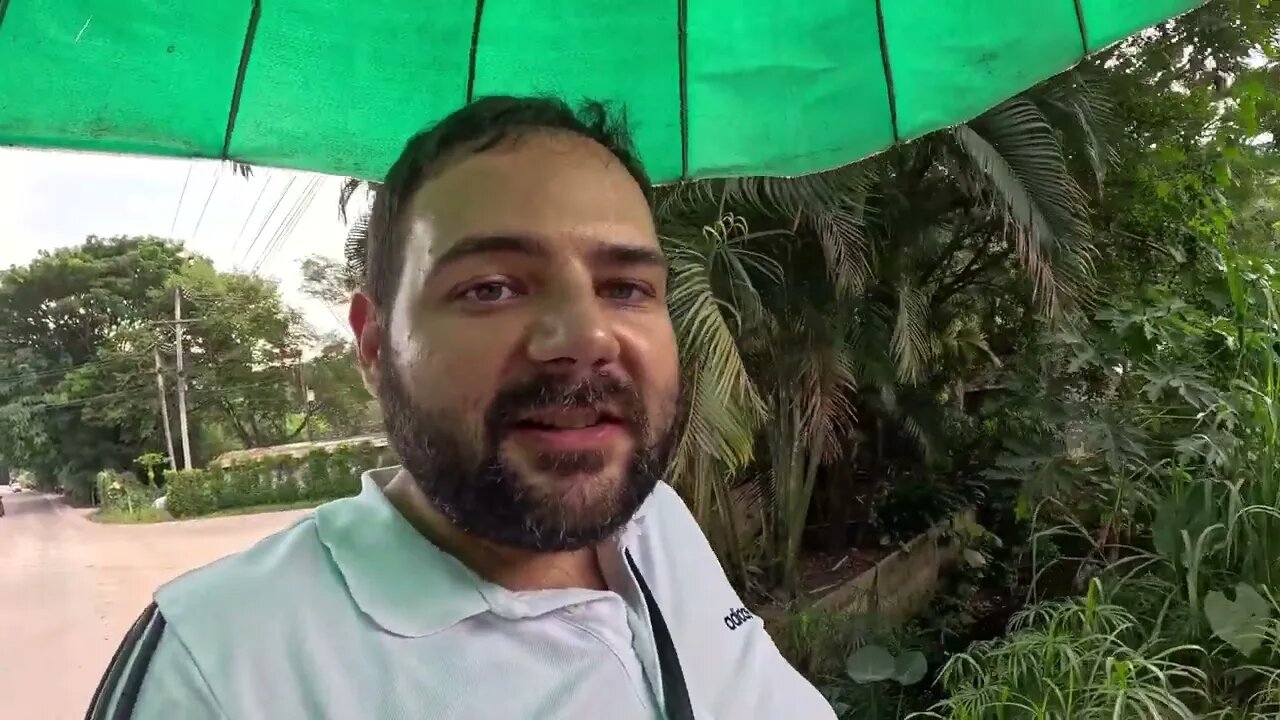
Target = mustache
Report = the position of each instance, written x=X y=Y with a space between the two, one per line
x=546 y=390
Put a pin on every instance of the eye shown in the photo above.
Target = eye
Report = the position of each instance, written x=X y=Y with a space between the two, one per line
x=624 y=291
x=489 y=292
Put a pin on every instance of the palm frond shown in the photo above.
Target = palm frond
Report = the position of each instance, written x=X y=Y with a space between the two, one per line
x=350 y=186
x=911 y=342
x=355 y=250
x=840 y=230
x=727 y=408
x=1017 y=152
x=831 y=412
x=1077 y=105
x=788 y=197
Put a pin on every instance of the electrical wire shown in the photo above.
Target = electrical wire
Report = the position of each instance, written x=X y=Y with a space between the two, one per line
x=216 y=177
x=106 y=396
x=240 y=235
x=263 y=225
x=181 y=195
x=141 y=354
x=285 y=230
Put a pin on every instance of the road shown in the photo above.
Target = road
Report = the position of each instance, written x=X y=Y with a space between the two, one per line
x=70 y=588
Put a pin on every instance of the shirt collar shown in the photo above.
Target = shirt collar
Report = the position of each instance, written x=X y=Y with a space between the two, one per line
x=406 y=584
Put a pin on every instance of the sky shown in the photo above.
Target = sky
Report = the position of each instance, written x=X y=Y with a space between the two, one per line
x=54 y=199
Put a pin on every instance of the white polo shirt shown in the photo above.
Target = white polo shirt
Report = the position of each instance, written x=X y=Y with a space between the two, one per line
x=352 y=614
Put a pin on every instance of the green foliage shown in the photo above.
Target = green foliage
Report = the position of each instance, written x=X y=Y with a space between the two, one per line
x=284 y=480
x=327 y=280
x=1239 y=622
x=79 y=328
x=866 y=671
x=124 y=497
x=873 y=663
x=836 y=318
x=1075 y=659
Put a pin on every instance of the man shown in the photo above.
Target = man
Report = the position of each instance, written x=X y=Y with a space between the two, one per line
x=526 y=561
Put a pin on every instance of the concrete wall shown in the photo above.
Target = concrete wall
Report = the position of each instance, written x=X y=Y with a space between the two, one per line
x=903 y=583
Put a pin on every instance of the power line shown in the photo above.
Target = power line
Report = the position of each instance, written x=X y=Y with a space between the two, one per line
x=240 y=235
x=243 y=353
x=79 y=366
x=217 y=176
x=263 y=225
x=181 y=195
x=106 y=396
x=283 y=229
x=286 y=228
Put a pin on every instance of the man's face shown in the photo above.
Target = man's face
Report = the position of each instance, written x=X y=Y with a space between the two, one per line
x=527 y=365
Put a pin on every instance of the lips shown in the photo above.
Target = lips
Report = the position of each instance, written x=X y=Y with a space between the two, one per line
x=567 y=418
x=570 y=429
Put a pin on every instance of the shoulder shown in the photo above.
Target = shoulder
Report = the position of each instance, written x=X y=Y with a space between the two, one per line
x=665 y=507
x=667 y=519
x=263 y=581
x=669 y=543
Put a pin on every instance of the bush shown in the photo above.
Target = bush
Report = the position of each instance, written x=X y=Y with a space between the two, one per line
x=321 y=475
x=122 y=494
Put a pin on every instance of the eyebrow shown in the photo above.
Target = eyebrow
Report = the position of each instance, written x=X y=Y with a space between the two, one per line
x=610 y=253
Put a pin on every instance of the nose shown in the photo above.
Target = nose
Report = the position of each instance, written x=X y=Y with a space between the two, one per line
x=573 y=333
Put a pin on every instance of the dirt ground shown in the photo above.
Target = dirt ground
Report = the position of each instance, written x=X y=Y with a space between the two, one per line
x=70 y=588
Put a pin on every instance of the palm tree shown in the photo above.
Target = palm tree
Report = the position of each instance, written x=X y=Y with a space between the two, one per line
x=809 y=309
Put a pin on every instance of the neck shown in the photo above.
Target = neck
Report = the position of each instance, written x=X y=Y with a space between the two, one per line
x=513 y=568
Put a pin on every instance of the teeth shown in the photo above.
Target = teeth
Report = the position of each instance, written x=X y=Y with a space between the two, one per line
x=568 y=419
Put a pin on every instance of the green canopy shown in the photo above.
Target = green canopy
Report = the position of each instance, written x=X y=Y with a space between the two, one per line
x=712 y=87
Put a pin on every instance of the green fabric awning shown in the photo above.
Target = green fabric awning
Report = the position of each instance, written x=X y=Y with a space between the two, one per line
x=712 y=87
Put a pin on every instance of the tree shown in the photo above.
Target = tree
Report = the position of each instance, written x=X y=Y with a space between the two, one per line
x=327 y=280
x=847 y=306
x=245 y=350
x=78 y=331
x=75 y=360
x=343 y=406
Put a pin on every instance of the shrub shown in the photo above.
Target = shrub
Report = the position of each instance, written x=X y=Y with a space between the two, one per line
x=192 y=493
x=123 y=494
x=320 y=475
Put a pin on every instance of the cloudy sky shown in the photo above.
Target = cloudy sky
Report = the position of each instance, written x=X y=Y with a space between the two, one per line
x=55 y=199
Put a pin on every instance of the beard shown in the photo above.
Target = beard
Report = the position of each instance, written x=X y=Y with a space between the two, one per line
x=472 y=484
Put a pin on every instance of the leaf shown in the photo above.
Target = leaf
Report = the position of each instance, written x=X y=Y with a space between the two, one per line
x=910 y=668
x=1239 y=623
x=975 y=558
x=870 y=664
x=1190 y=511
x=1017 y=152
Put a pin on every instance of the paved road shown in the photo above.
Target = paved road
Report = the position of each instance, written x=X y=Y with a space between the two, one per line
x=70 y=588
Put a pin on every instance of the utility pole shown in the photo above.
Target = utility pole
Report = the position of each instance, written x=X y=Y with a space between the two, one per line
x=164 y=412
x=182 y=379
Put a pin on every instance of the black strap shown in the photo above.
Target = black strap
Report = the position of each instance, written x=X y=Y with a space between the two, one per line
x=673 y=686
x=139 y=645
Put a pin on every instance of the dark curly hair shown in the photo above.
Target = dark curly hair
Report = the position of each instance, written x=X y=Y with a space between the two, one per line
x=475 y=128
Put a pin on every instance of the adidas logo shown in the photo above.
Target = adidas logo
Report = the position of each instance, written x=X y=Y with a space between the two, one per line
x=737 y=618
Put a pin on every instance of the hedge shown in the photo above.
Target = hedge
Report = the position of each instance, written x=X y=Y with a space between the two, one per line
x=320 y=475
x=124 y=492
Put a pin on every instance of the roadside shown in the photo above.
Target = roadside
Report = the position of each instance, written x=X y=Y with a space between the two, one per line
x=70 y=588
x=149 y=515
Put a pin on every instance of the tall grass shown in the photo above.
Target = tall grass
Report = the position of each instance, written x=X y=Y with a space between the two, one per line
x=1184 y=531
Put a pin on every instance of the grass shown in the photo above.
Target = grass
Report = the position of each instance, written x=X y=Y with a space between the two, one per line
x=148 y=514
x=255 y=509
x=139 y=516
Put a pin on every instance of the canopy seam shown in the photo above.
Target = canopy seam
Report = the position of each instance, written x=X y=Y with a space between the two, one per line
x=1084 y=29
x=682 y=48
x=888 y=71
x=471 y=57
x=255 y=13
